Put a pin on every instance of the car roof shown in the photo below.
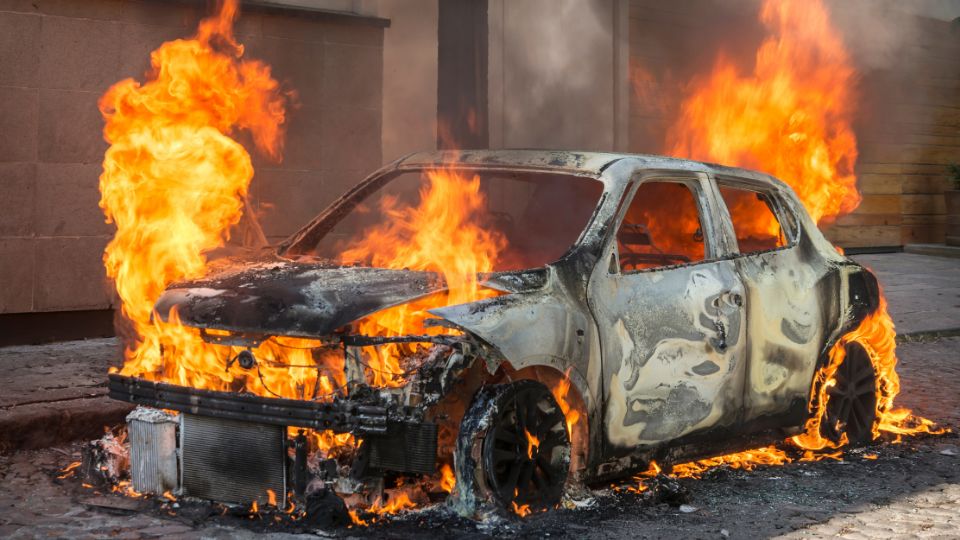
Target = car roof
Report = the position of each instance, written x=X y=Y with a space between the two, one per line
x=570 y=161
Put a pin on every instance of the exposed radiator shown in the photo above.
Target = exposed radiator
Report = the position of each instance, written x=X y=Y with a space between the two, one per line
x=413 y=449
x=153 y=450
x=232 y=461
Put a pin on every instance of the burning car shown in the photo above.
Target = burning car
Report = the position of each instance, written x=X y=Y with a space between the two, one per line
x=525 y=319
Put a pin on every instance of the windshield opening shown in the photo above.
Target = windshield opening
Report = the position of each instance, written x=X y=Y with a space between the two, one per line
x=472 y=220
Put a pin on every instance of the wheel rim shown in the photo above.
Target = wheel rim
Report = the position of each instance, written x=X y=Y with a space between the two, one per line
x=527 y=471
x=852 y=401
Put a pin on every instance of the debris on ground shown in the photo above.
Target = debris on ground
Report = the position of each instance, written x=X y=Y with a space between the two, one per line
x=105 y=461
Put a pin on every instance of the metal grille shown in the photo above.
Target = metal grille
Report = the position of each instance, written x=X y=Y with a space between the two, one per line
x=413 y=450
x=232 y=461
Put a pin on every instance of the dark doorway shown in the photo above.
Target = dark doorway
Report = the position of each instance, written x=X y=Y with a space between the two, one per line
x=462 y=74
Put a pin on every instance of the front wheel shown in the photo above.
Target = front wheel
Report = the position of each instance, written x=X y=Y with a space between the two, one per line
x=513 y=451
x=852 y=400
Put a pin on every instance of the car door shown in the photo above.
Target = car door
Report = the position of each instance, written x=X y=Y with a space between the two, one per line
x=786 y=301
x=669 y=317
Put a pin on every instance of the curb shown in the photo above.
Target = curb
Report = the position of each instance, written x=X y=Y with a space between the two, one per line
x=927 y=335
x=41 y=425
x=935 y=250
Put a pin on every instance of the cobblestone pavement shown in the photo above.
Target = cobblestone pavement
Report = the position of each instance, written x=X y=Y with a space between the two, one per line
x=931 y=513
x=923 y=291
x=885 y=490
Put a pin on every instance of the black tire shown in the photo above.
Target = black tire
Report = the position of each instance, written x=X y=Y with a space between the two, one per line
x=852 y=402
x=494 y=461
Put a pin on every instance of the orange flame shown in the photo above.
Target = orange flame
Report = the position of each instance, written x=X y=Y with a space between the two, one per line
x=533 y=444
x=174 y=182
x=355 y=518
x=521 y=510
x=876 y=334
x=447 y=479
x=747 y=460
x=560 y=392
x=791 y=117
x=69 y=470
x=441 y=235
x=271 y=497
x=124 y=488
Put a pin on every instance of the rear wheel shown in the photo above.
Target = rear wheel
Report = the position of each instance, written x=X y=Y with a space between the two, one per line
x=513 y=450
x=852 y=401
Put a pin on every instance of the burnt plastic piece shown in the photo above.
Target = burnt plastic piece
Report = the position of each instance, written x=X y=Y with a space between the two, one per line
x=341 y=416
x=325 y=509
x=246 y=359
x=864 y=294
x=300 y=464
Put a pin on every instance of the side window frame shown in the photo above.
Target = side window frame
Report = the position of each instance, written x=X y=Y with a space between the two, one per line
x=700 y=188
x=789 y=223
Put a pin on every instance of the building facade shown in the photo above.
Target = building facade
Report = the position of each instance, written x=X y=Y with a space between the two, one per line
x=378 y=79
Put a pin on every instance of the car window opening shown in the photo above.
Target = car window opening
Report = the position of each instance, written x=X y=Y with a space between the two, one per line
x=662 y=227
x=521 y=220
x=755 y=220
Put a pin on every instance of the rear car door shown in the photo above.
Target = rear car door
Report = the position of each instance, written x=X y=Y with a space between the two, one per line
x=785 y=307
x=668 y=313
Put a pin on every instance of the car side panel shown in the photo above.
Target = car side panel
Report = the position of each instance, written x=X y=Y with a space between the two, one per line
x=791 y=301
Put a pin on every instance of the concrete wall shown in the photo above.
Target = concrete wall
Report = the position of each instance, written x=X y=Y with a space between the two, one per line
x=58 y=56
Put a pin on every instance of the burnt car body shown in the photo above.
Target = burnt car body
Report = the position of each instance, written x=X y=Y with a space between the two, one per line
x=670 y=354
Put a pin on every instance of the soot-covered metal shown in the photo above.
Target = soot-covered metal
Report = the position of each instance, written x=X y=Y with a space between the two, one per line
x=673 y=360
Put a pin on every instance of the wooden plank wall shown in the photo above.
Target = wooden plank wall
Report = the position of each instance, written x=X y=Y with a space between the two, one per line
x=908 y=121
x=908 y=131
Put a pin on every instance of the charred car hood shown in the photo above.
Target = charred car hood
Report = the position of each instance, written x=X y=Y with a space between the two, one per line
x=291 y=298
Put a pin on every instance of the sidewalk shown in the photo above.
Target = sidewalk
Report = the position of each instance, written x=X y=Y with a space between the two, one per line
x=57 y=392
x=923 y=292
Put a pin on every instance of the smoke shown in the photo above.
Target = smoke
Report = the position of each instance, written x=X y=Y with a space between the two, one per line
x=878 y=33
x=550 y=70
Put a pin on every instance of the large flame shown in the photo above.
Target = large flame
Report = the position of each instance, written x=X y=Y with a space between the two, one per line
x=791 y=117
x=441 y=234
x=174 y=182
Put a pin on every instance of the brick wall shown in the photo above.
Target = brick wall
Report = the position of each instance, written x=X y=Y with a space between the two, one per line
x=58 y=56
x=907 y=125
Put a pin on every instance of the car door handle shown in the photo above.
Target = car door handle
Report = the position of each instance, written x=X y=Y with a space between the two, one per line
x=733 y=298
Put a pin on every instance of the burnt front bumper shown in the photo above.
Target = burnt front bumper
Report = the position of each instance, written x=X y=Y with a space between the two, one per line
x=395 y=437
x=341 y=416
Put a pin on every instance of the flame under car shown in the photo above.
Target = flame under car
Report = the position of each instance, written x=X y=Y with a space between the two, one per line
x=632 y=308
